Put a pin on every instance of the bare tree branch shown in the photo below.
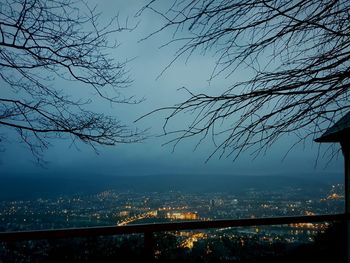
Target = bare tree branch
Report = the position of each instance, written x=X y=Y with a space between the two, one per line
x=42 y=42
x=297 y=57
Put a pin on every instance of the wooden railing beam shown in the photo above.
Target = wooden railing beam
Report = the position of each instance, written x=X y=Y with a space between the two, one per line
x=161 y=227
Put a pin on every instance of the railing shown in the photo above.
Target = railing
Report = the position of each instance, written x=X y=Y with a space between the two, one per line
x=149 y=229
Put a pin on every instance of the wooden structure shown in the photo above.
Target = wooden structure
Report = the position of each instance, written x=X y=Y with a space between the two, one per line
x=340 y=133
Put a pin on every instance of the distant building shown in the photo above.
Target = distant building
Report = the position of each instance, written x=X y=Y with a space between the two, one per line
x=182 y=215
x=124 y=213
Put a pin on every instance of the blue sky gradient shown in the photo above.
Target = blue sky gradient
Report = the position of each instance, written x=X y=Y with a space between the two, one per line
x=150 y=157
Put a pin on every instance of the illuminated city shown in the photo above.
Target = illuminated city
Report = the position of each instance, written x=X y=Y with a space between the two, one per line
x=121 y=208
x=116 y=207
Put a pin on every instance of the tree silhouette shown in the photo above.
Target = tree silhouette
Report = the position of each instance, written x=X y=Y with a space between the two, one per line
x=296 y=58
x=47 y=47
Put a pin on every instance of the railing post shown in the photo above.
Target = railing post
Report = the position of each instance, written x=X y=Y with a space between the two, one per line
x=149 y=246
x=346 y=152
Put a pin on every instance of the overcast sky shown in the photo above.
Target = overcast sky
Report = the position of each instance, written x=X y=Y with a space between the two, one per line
x=150 y=157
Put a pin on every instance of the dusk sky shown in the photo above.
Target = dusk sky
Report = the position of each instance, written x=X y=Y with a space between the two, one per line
x=150 y=157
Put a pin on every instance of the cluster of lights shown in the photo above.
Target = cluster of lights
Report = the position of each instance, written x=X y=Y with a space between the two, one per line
x=189 y=242
x=310 y=226
x=183 y=216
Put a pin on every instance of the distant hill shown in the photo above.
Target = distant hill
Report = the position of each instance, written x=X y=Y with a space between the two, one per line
x=33 y=186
